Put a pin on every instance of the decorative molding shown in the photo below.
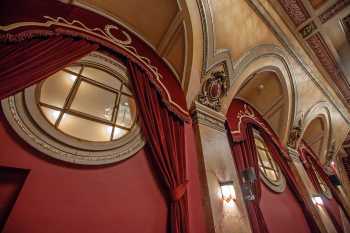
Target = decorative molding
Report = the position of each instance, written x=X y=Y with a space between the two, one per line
x=333 y=10
x=294 y=135
x=212 y=57
x=214 y=87
x=308 y=29
x=295 y=10
x=293 y=154
x=326 y=58
x=292 y=51
x=104 y=36
x=346 y=25
x=204 y=115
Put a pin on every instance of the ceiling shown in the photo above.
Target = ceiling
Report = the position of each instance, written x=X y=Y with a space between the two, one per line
x=314 y=135
x=319 y=26
x=265 y=93
x=165 y=27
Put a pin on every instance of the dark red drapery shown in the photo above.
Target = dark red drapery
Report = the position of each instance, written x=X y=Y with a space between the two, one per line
x=164 y=133
x=309 y=161
x=245 y=157
x=241 y=124
x=27 y=62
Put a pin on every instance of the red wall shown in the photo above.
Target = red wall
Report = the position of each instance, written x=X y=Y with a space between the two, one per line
x=282 y=212
x=59 y=197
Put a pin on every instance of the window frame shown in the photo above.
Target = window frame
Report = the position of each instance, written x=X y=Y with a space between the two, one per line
x=277 y=185
x=25 y=117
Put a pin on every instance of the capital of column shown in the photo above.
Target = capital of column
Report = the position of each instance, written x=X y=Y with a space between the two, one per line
x=294 y=154
x=204 y=115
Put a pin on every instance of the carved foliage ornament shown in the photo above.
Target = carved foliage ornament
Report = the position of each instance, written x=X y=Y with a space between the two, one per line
x=214 y=87
x=295 y=134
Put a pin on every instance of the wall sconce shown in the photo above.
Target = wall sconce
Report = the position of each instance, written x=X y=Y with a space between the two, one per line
x=335 y=180
x=317 y=200
x=248 y=176
x=227 y=191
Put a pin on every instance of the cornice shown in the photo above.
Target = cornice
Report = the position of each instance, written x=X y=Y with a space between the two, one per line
x=294 y=154
x=204 y=115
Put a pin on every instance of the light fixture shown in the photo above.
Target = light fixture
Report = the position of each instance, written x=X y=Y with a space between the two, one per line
x=317 y=200
x=227 y=191
x=248 y=177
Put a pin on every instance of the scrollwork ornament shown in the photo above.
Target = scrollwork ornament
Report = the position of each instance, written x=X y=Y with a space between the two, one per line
x=295 y=134
x=214 y=88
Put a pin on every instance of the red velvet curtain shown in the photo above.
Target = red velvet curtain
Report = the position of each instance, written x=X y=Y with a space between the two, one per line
x=277 y=154
x=29 y=61
x=245 y=156
x=335 y=192
x=327 y=203
x=164 y=133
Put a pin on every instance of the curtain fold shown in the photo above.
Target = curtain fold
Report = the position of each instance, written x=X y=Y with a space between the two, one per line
x=245 y=156
x=335 y=192
x=282 y=162
x=164 y=133
x=29 y=61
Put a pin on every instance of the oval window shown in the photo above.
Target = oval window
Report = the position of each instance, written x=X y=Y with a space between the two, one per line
x=271 y=173
x=85 y=113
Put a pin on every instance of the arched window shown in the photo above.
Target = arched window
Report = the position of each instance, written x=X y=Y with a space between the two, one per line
x=271 y=173
x=85 y=113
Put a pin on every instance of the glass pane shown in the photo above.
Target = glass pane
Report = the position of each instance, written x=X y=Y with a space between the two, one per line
x=126 y=90
x=56 y=88
x=75 y=69
x=127 y=111
x=94 y=100
x=118 y=132
x=50 y=114
x=259 y=143
x=102 y=77
x=264 y=158
x=271 y=175
x=85 y=129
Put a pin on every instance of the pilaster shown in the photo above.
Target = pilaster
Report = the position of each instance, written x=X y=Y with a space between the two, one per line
x=217 y=165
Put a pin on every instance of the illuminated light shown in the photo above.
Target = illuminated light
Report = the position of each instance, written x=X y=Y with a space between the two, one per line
x=333 y=164
x=54 y=114
x=317 y=200
x=227 y=191
x=109 y=130
x=126 y=104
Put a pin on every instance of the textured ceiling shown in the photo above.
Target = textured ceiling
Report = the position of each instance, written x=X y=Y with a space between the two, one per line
x=317 y=24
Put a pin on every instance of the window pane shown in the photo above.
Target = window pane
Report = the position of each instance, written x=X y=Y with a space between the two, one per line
x=264 y=159
x=75 y=69
x=94 y=100
x=50 y=114
x=271 y=175
x=102 y=77
x=118 y=132
x=55 y=89
x=127 y=111
x=85 y=129
x=259 y=143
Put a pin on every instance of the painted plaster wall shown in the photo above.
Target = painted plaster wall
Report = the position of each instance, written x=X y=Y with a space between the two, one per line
x=61 y=197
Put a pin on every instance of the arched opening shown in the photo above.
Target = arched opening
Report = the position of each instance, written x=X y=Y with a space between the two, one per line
x=256 y=147
x=265 y=92
x=315 y=136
